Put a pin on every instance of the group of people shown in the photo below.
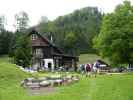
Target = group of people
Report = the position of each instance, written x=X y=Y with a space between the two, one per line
x=90 y=69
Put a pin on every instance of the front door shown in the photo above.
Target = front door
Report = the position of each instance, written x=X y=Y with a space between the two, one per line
x=49 y=65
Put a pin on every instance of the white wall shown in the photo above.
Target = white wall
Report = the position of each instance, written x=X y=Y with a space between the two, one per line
x=49 y=61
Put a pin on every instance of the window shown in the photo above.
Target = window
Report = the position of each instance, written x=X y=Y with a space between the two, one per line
x=38 y=51
x=34 y=36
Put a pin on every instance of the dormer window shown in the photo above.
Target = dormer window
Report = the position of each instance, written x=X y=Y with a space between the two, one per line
x=34 y=36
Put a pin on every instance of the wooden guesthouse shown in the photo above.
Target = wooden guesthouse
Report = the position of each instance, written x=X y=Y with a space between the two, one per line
x=45 y=55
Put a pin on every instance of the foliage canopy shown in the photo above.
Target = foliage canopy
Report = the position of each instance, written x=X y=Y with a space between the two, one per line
x=82 y=25
x=116 y=36
x=22 y=54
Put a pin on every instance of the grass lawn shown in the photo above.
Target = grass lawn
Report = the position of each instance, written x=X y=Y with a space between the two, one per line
x=116 y=87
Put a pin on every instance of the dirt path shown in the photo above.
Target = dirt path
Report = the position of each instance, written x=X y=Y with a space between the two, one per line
x=42 y=91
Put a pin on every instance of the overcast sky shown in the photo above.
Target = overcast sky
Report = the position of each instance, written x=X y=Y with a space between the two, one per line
x=50 y=8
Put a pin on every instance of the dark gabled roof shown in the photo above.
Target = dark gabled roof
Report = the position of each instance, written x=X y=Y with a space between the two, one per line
x=46 y=40
x=102 y=62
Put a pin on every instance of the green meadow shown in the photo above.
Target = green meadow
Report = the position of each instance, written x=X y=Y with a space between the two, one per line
x=103 y=87
x=90 y=58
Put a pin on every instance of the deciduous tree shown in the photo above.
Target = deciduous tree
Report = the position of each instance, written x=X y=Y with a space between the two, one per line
x=115 y=40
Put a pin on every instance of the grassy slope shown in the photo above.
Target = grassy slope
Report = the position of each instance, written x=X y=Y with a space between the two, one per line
x=116 y=87
x=90 y=58
x=10 y=78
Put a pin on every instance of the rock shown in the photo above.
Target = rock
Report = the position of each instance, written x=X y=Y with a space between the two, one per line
x=34 y=86
x=69 y=76
x=29 y=83
x=30 y=79
x=56 y=82
x=75 y=79
x=69 y=81
x=55 y=76
x=44 y=83
x=42 y=79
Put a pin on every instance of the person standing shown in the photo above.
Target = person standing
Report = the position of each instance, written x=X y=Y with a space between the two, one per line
x=95 y=68
x=88 y=69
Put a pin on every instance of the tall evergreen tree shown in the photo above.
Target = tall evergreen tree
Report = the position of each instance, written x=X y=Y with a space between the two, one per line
x=22 y=55
x=5 y=40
